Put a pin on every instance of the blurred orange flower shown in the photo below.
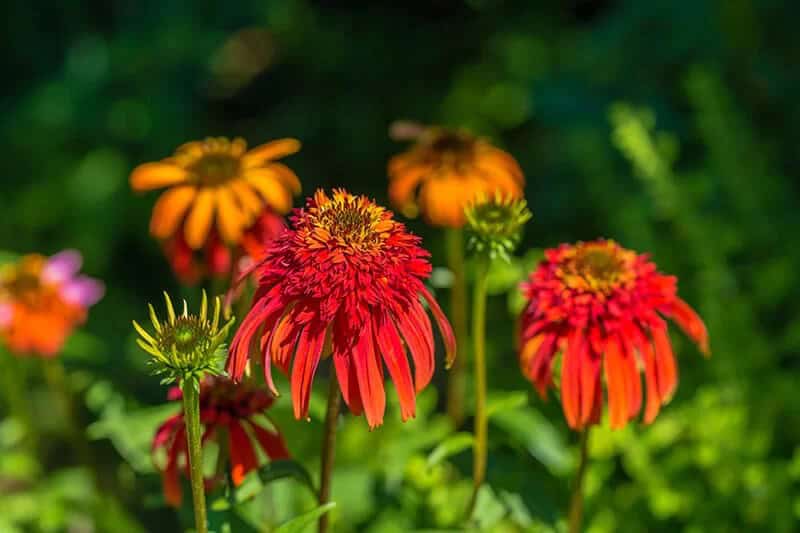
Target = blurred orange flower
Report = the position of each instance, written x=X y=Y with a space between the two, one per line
x=42 y=300
x=217 y=192
x=445 y=170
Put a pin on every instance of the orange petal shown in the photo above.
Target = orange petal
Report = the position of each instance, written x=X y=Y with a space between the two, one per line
x=271 y=189
x=169 y=211
x=269 y=151
x=199 y=221
x=666 y=369
x=570 y=381
x=156 y=175
x=653 y=404
x=247 y=197
x=691 y=324
x=287 y=177
x=230 y=219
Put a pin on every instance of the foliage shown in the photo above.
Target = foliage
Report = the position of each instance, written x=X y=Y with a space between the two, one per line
x=669 y=126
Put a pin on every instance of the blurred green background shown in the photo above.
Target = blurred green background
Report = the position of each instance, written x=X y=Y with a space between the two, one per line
x=670 y=126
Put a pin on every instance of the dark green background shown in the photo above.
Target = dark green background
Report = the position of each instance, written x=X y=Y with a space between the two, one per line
x=670 y=126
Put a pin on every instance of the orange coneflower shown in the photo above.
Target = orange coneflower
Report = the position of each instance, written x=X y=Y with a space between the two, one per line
x=445 y=170
x=236 y=413
x=42 y=300
x=348 y=272
x=603 y=307
x=217 y=192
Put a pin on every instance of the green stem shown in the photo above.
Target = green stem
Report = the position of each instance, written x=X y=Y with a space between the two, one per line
x=56 y=378
x=18 y=402
x=480 y=448
x=191 y=415
x=329 y=448
x=456 y=378
x=576 y=502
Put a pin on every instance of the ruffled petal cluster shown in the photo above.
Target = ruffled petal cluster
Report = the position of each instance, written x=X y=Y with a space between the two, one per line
x=218 y=195
x=603 y=308
x=447 y=169
x=347 y=279
x=234 y=416
x=42 y=300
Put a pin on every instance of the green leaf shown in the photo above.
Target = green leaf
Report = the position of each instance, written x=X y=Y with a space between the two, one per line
x=506 y=402
x=452 y=445
x=530 y=429
x=300 y=523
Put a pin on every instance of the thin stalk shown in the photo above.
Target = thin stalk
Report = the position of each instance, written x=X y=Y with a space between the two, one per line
x=191 y=415
x=576 y=502
x=56 y=378
x=456 y=378
x=480 y=448
x=18 y=402
x=329 y=448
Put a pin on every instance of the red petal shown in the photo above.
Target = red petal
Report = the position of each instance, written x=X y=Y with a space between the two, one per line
x=445 y=329
x=616 y=383
x=272 y=443
x=243 y=457
x=590 y=382
x=283 y=338
x=170 y=480
x=633 y=381
x=309 y=350
x=388 y=341
x=570 y=380
x=691 y=323
x=666 y=369
x=540 y=366
x=265 y=311
x=370 y=377
x=420 y=350
x=653 y=404
x=345 y=369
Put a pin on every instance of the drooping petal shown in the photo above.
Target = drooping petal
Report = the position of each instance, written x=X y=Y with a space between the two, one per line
x=272 y=443
x=198 y=223
x=420 y=351
x=169 y=211
x=616 y=381
x=653 y=404
x=445 y=328
x=231 y=219
x=570 y=380
x=243 y=457
x=539 y=353
x=283 y=339
x=157 y=175
x=270 y=188
x=691 y=323
x=590 y=382
x=62 y=267
x=633 y=381
x=370 y=377
x=169 y=476
x=666 y=369
x=342 y=342
x=391 y=347
x=309 y=350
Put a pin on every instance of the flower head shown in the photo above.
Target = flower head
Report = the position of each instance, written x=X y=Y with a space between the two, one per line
x=231 y=414
x=42 y=300
x=347 y=278
x=495 y=223
x=217 y=193
x=445 y=170
x=185 y=346
x=603 y=307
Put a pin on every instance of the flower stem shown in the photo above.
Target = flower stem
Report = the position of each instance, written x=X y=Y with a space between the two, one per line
x=329 y=448
x=191 y=411
x=18 y=402
x=456 y=378
x=480 y=448
x=576 y=503
x=56 y=378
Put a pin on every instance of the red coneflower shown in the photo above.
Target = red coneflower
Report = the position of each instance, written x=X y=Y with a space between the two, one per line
x=349 y=276
x=42 y=300
x=227 y=410
x=604 y=308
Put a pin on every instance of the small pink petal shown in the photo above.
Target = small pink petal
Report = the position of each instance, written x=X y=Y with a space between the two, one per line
x=6 y=314
x=62 y=267
x=83 y=291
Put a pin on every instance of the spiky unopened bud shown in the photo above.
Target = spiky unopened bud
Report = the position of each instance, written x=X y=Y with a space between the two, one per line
x=494 y=224
x=185 y=346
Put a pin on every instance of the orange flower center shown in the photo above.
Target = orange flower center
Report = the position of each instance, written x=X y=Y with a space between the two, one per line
x=353 y=221
x=215 y=169
x=597 y=267
x=23 y=282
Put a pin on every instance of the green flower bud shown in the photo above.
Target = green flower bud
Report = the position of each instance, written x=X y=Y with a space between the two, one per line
x=185 y=346
x=494 y=224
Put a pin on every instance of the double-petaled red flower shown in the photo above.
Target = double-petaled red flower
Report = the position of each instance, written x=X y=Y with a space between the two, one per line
x=234 y=412
x=603 y=308
x=348 y=276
